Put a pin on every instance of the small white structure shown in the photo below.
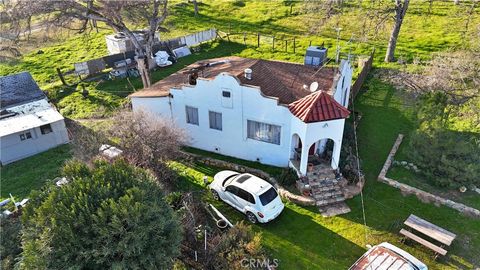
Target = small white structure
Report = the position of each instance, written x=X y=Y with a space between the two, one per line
x=161 y=58
x=120 y=43
x=277 y=113
x=28 y=123
x=109 y=151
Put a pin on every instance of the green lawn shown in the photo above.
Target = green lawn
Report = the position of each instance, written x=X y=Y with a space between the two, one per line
x=302 y=239
x=23 y=176
x=422 y=34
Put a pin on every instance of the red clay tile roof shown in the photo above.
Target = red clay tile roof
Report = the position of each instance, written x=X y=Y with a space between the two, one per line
x=277 y=79
x=318 y=106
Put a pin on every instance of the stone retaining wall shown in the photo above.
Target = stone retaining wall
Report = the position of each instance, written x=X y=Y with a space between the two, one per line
x=422 y=195
x=297 y=199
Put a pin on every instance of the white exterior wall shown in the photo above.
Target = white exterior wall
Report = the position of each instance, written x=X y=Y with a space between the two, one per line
x=342 y=92
x=248 y=103
x=13 y=149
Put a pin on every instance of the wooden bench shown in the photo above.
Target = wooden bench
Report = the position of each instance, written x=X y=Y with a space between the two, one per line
x=438 y=234
x=418 y=239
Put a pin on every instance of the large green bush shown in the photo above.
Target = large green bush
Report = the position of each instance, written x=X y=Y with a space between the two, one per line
x=109 y=216
x=447 y=158
x=10 y=245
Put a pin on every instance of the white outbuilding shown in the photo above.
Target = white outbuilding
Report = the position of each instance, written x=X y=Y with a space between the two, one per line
x=277 y=113
x=29 y=124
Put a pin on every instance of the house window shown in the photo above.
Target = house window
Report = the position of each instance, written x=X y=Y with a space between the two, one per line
x=45 y=129
x=226 y=94
x=192 y=115
x=263 y=132
x=215 y=120
x=25 y=136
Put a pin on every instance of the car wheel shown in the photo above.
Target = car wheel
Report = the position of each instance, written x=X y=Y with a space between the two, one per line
x=251 y=217
x=215 y=195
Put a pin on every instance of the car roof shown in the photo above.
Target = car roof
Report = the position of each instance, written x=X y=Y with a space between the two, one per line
x=253 y=184
x=387 y=257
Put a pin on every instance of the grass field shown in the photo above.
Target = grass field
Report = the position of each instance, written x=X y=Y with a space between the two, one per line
x=21 y=177
x=422 y=34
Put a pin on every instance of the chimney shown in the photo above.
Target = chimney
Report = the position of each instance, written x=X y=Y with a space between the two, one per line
x=248 y=73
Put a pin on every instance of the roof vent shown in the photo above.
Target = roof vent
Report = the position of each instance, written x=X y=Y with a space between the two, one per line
x=248 y=73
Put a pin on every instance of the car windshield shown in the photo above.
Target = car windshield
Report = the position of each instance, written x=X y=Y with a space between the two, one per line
x=268 y=196
x=228 y=178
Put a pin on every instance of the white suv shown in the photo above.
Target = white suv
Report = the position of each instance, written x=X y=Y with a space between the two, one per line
x=253 y=196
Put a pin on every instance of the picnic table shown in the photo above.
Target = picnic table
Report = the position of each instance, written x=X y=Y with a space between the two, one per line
x=438 y=234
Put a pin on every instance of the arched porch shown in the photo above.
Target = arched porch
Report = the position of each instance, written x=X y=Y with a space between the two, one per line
x=321 y=154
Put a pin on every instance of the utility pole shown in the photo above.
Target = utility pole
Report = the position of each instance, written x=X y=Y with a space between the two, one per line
x=337 y=55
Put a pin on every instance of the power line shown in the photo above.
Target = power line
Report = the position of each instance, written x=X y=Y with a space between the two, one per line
x=358 y=169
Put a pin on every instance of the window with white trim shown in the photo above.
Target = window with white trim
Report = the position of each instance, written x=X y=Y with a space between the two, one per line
x=263 y=132
x=191 y=115
x=215 y=119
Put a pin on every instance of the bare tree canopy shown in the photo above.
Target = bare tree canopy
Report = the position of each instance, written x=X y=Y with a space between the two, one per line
x=147 y=140
x=76 y=15
x=457 y=74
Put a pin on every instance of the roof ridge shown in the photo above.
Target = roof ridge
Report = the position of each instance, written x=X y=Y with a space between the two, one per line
x=314 y=101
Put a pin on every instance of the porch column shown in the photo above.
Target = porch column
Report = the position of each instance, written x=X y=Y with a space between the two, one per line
x=304 y=159
x=337 y=147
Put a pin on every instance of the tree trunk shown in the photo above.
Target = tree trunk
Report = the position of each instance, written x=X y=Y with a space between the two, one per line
x=195 y=7
x=141 y=58
x=400 y=11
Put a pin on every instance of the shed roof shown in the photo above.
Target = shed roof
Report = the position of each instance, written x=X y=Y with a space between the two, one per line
x=318 y=106
x=277 y=79
x=28 y=116
x=18 y=89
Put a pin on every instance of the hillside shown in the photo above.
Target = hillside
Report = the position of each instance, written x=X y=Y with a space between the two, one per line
x=422 y=34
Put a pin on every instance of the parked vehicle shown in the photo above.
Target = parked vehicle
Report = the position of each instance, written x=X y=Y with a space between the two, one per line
x=389 y=257
x=253 y=196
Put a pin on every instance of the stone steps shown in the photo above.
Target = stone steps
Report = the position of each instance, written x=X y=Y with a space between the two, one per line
x=327 y=195
x=323 y=183
x=334 y=209
x=328 y=201
x=325 y=189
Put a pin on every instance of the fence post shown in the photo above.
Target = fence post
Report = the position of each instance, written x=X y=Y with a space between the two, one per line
x=258 y=40
x=245 y=38
x=61 y=76
x=286 y=44
x=273 y=43
x=310 y=44
x=293 y=45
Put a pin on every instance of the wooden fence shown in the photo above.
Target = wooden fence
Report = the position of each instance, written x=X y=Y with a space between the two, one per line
x=367 y=65
x=279 y=43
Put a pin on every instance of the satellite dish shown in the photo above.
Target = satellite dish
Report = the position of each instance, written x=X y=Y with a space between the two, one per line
x=313 y=87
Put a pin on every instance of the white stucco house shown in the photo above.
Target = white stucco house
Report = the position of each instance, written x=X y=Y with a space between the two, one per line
x=274 y=112
x=28 y=122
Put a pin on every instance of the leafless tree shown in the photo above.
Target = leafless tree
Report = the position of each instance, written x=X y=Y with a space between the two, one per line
x=78 y=15
x=401 y=7
x=14 y=22
x=147 y=140
x=457 y=74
